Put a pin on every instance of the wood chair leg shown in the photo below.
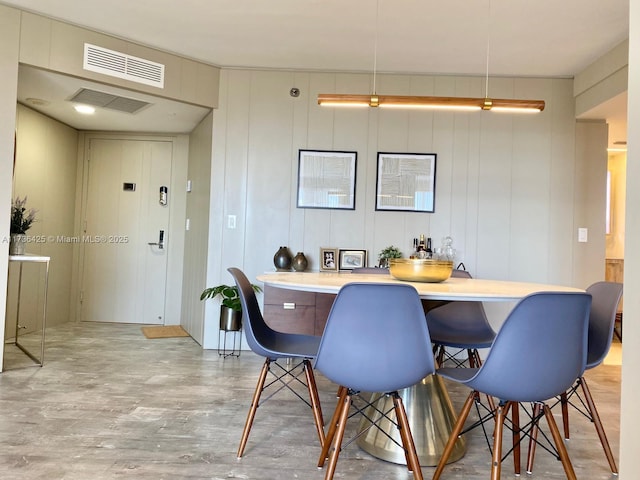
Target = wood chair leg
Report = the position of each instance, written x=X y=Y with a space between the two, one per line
x=593 y=411
x=336 y=444
x=496 y=459
x=457 y=428
x=254 y=406
x=515 y=420
x=333 y=425
x=560 y=446
x=564 y=405
x=315 y=400
x=533 y=438
x=413 y=464
x=440 y=356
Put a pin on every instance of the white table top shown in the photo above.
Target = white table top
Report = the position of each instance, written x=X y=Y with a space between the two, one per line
x=29 y=257
x=469 y=289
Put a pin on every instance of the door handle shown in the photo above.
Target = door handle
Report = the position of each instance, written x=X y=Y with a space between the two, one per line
x=160 y=242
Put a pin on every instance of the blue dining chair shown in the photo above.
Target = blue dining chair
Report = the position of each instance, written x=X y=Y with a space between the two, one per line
x=537 y=354
x=375 y=340
x=605 y=299
x=461 y=326
x=273 y=346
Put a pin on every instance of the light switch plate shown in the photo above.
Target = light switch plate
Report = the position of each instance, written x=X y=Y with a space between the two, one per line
x=231 y=221
x=583 y=234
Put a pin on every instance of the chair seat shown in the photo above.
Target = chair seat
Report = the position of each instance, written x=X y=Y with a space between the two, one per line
x=460 y=339
x=289 y=345
x=460 y=325
x=461 y=375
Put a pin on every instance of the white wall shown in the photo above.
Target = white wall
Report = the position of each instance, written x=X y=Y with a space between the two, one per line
x=9 y=47
x=615 y=240
x=45 y=173
x=629 y=418
x=510 y=189
x=194 y=267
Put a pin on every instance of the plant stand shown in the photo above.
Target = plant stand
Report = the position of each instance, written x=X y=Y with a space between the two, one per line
x=235 y=343
x=230 y=323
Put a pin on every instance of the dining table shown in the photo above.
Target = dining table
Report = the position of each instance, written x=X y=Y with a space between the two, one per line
x=428 y=404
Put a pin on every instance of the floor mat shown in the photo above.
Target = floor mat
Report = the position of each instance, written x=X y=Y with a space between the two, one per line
x=167 y=331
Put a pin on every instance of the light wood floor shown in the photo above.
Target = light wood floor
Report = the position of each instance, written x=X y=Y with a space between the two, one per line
x=111 y=404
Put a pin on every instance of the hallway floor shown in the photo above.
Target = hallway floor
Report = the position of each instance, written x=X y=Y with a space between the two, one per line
x=111 y=404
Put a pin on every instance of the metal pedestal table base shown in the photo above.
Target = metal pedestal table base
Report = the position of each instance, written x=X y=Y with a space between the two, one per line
x=431 y=418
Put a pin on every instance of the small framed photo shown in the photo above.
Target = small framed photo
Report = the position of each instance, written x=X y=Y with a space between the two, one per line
x=327 y=179
x=406 y=182
x=328 y=259
x=350 y=259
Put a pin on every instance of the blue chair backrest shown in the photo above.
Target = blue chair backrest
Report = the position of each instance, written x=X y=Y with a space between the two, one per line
x=257 y=332
x=468 y=317
x=377 y=270
x=606 y=296
x=376 y=338
x=540 y=350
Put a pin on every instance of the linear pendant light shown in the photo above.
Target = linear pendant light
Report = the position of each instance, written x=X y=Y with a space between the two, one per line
x=421 y=102
x=442 y=103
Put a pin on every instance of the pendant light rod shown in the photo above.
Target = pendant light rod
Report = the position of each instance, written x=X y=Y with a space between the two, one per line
x=486 y=78
x=375 y=47
x=422 y=102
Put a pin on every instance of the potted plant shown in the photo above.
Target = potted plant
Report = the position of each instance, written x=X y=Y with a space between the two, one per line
x=231 y=307
x=386 y=254
x=21 y=221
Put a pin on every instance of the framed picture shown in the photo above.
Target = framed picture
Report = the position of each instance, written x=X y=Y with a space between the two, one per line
x=326 y=179
x=328 y=259
x=350 y=259
x=406 y=182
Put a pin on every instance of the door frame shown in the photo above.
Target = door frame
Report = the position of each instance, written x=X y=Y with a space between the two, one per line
x=177 y=217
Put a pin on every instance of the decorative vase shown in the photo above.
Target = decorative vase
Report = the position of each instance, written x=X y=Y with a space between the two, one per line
x=282 y=260
x=17 y=243
x=300 y=262
x=230 y=320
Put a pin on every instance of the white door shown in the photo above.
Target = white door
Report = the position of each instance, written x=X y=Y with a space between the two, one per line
x=124 y=277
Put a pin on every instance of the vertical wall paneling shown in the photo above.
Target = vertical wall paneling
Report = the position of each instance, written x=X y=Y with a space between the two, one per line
x=300 y=128
x=196 y=238
x=46 y=173
x=564 y=162
x=589 y=200
x=9 y=48
x=630 y=389
x=502 y=180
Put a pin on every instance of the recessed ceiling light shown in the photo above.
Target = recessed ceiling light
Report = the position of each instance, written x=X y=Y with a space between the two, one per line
x=37 y=102
x=85 y=109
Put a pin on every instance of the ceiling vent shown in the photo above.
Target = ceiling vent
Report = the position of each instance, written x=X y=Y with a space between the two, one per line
x=107 y=100
x=121 y=65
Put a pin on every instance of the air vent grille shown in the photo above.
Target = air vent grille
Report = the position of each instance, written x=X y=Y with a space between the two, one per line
x=107 y=100
x=121 y=65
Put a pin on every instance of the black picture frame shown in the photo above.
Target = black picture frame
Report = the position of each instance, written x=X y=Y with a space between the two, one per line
x=406 y=182
x=350 y=259
x=327 y=179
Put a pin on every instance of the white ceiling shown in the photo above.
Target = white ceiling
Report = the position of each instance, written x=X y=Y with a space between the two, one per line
x=556 y=38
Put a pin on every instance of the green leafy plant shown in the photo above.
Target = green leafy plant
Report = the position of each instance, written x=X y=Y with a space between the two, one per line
x=229 y=294
x=387 y=253
x=21 y=218
x=390 y=252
